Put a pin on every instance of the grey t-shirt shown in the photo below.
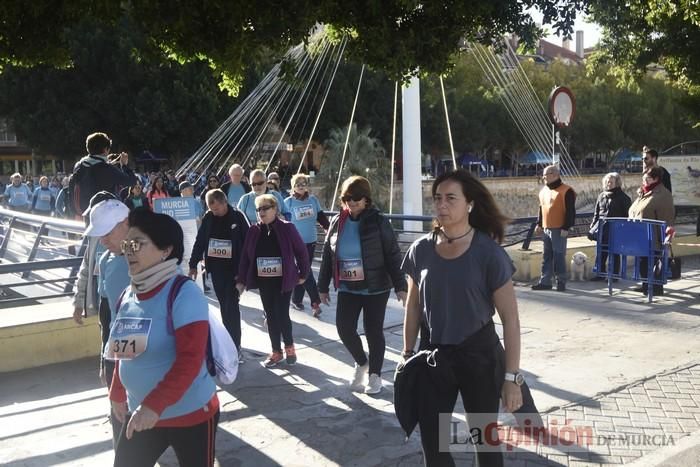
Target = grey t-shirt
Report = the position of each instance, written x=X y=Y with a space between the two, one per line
x=456 y=295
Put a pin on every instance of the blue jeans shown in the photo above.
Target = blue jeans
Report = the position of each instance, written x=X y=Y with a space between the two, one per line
x=310 y=284
x=554 y=257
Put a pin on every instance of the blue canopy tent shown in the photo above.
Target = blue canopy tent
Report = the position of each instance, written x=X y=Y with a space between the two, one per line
x=626 y=159
x=535 y=157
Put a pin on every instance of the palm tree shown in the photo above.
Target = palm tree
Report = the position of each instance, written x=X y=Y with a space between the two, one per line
x=365 y=156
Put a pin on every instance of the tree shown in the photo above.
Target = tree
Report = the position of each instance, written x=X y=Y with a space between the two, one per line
x=639 y=33
x=167 y=108
x=365 y=156
x=397 y=36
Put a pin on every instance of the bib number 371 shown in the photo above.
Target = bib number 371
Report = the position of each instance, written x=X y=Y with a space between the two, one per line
x=128 y=338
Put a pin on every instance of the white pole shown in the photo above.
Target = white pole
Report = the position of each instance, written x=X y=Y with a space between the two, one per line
x=412 y=180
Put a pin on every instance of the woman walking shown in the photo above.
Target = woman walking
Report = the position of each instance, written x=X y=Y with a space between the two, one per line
x=458 y=275
x=161 y=390
x=306 y=212
x=362 y=257
x=274 y=260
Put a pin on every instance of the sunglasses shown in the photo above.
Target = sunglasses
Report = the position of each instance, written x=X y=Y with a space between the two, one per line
x=258 y=183
x=301 y=185
x=355 y=198
x=132 y=246
x=263 y=208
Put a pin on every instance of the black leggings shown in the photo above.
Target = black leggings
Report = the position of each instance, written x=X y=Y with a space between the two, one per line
x=276 y=306
x=347 y=315
x=193 y=445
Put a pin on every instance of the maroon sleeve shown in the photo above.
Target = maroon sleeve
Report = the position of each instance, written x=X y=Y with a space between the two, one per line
x=190 y=349
x=117 y=393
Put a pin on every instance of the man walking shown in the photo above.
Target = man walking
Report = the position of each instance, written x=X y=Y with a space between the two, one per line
x=236 y=187
x=220 y=242
x=557 y=214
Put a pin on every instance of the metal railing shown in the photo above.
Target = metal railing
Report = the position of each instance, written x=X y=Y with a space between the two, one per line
x=36 y=247
x=40 y=249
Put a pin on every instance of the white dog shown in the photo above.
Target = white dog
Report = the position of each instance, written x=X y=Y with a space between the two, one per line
x=579 y=262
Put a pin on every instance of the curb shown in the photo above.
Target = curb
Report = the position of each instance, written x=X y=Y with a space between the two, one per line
x=663 y=456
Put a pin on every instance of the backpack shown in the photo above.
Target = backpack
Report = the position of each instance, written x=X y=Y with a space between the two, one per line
x=222 y=355
x=81 y=187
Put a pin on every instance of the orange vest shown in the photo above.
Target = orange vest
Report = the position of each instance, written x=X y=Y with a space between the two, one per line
x=553 y=206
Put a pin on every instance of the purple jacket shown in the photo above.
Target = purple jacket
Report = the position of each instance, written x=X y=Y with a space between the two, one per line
x=295 y=257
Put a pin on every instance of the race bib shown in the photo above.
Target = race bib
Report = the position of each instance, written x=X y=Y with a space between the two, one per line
x=303 y=212
x=45 y=197
x=20 y=196
x=269 y=267
x=220 y=248
x=128 y=338
x=351 y=270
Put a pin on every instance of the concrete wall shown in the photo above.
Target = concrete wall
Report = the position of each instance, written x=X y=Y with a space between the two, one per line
x=43 y=343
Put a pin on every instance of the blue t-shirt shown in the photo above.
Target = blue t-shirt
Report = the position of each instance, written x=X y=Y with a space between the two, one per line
x=247 y=205
x=142 y=374
x=349 y=250
x=113 y=278
x=304 y=216
x=18 y=196
x=42 y=199
x=234 y=194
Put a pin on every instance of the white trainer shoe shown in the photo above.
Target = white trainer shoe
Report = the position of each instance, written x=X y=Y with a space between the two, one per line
x=358 y=380
x=375 y=384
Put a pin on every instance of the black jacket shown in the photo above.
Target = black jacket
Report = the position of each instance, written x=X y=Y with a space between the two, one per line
x=105 y=177
x=381 y=256
x=239 y=228
x=614 y=203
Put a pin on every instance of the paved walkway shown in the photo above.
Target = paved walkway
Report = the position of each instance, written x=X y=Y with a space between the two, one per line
x=618 y=363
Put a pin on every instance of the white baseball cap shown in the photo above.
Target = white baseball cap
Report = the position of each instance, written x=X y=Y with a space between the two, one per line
x=105 y=216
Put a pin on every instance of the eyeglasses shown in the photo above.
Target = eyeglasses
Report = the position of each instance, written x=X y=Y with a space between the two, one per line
x=258 y=183
x=301 y=185
x=132 y=246
x=355 y=198
x=264 y=208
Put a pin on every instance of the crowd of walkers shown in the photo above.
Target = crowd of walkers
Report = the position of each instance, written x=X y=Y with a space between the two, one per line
x=253 y=234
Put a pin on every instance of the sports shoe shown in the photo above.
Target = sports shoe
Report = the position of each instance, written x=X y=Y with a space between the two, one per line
x=291 y=354
x=273 y=359
x=561 y=287
x=298 y=306
x=541 y=287
x=358 y=380
x=375 y=384
x=316 y=310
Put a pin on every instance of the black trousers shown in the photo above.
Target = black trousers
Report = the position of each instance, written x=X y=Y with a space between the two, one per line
x=373 y=308
x=194 y=445
x=477 y=375
x=276 y=306
x=309 y=285
x=526 y=413
x=105 y=316
x=227 y=295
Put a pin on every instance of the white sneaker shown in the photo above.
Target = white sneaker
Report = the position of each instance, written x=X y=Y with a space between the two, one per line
x=358 y=380
x=375 y=384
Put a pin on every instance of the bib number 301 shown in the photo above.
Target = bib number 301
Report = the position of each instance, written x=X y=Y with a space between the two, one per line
x=128 y=338
x=351 y=270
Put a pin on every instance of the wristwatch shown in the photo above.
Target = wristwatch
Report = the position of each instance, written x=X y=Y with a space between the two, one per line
x=516 y=378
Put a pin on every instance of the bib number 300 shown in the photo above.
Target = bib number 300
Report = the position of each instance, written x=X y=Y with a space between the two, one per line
x=128 y=338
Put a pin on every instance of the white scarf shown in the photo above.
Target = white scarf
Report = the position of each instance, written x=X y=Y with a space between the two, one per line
x=150 y=278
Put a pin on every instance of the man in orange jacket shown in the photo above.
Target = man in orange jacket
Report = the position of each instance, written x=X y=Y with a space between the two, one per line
x=557 y=214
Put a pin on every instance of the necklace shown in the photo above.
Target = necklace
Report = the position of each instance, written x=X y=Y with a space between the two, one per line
x=452 y=239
